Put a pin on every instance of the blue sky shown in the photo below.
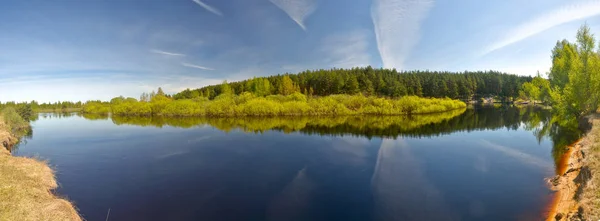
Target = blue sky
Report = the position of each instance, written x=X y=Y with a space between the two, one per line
x=80 y=50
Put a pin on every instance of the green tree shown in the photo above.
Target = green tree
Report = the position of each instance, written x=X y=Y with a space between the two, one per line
x=352 y=86
x=575 y=75
x=160 y=92
x=287 y=86
x=226 y=89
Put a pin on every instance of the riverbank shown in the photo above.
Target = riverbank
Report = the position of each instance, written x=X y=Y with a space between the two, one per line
x=26 y=187
x=577 y=186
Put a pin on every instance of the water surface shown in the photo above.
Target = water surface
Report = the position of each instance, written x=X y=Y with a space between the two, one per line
x=478 y=164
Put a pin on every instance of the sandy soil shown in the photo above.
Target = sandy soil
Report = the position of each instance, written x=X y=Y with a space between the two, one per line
x=576 y=196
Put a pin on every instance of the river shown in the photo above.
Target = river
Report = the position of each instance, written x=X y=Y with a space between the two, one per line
x=476 y=164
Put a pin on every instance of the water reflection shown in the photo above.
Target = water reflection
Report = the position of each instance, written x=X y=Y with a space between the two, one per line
x=400 y=188
x=475 y=164
x=537 y=120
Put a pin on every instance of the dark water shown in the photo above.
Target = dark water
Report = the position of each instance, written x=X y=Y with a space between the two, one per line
x=483 y=164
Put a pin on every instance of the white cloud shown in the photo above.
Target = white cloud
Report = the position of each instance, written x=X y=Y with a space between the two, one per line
x=347 y=50
x=298 y=10
x=165 y=53
x=397 y=28
x=565 y=14
x=208 y=7
x=196 y=66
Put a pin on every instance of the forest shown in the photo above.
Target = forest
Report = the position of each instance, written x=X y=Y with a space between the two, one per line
x=376 y=82
x=34 y=106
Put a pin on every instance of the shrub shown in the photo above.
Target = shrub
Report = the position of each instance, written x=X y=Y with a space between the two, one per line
x=247 y=104
x=15 y=123
x=260 y=107
x=96 y=108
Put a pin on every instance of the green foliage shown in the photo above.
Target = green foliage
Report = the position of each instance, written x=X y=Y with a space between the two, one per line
x=531 y=91
x=183 y=108
x=16 y=124
x=287 y=86
x=25 y=111
x=375 y=82
x=575 y=76
x=296 y=103
x=96 y=107
x=158 y=103
x=28 y=109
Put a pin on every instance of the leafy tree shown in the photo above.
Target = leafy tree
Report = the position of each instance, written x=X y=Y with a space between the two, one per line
x=575 y=75
x=287 y=86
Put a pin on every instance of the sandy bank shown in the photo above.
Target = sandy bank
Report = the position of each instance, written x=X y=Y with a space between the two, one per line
x=577 y=194
x=26 y=187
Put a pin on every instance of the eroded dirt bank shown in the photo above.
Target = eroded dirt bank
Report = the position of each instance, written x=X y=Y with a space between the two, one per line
x=26 y=187
x=577 y=194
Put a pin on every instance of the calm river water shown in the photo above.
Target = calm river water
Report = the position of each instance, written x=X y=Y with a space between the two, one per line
x=478 y=164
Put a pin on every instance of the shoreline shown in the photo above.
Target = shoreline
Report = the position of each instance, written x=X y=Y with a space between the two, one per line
x=26 y=187
x=573 y=194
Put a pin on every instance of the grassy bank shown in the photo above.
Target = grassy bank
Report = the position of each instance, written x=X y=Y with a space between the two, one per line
x=26 y=184
x=296 y=104
x=590 y=199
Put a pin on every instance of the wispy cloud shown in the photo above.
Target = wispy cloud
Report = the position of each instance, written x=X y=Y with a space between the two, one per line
x=196 y=66
x=347 y=50
x=567 y=13
x=298 y=10
x=165 y=53
x=397 y=28
x=208 y=7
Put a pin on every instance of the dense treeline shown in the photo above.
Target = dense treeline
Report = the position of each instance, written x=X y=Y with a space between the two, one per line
x=249 y=104
x=375 y=82
x=43 y=107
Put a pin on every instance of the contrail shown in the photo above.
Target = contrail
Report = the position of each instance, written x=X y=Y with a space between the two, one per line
x=298 y=10
x=196 y=66
x=165 y=53
x=397 y=28
x=565 y=14
x=208 y=7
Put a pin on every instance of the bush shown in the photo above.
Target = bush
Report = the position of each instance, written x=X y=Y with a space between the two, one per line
x=183 y=108
x=259 y=107
x=295 y=108
x=96 y=108
x=15 y=123
x=247 y=104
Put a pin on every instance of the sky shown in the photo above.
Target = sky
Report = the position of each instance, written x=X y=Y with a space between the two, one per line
x=70 y=50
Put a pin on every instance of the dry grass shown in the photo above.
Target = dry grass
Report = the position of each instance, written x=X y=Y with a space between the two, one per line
x=25 y=188
x=591 y=197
